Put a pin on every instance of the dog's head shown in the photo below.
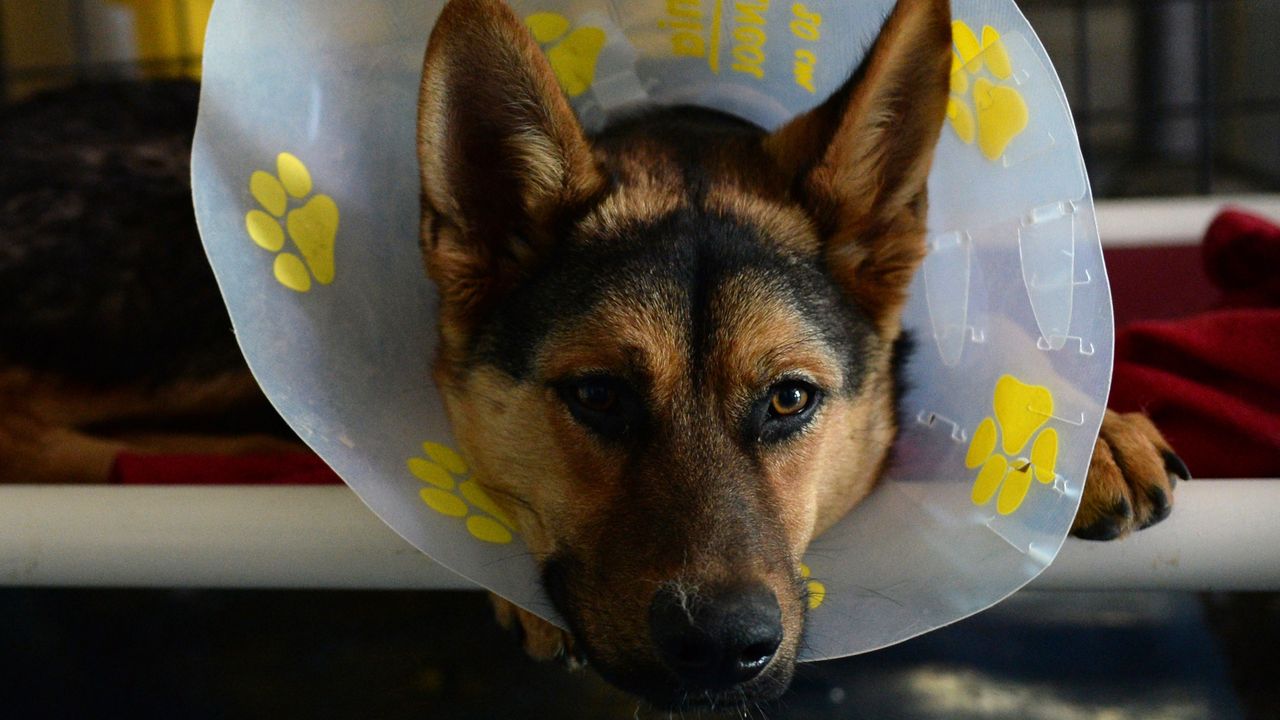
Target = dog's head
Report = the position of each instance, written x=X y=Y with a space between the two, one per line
x=668 y=349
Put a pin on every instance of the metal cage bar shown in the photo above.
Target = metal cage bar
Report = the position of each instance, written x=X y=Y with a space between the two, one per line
x=1222 y=536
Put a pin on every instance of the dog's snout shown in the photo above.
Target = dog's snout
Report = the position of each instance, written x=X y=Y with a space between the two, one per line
x=716 y=641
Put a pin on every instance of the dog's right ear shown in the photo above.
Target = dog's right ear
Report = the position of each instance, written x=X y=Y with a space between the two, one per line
x=500 y=153
x=861 y=160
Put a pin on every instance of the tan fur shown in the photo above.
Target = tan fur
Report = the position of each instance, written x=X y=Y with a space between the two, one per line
x=621 y=337
x=847 y=470
x=784 y=224
x=649 y=185
x=822 y=475
x=760 y=338
x=541 y=640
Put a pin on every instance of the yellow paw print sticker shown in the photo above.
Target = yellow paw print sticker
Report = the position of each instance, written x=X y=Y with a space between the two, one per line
x=1001 y=111
x=311 y=225
x=817 y=591
x=452 y=493
x=1020 y=411
x=573 y=54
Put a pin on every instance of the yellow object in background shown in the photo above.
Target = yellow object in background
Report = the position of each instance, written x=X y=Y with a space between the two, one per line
x=168 y=30
x=50 y=43
x=36 y=34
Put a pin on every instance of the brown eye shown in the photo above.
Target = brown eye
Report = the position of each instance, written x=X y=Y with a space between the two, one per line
x=789 y=399
x=606 y=405
x=596 y=396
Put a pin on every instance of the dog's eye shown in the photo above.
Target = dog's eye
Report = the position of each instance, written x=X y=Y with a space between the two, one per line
x=786 y=409
x=596 y=396
x=606 y=405
x=789 y=398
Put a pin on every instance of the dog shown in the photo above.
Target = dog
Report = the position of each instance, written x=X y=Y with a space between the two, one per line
x=115 y=338
x=702 y=320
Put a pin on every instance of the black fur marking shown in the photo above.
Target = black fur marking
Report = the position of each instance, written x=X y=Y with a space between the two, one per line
x=688 y=131
x=687 y=128
x=902 y=350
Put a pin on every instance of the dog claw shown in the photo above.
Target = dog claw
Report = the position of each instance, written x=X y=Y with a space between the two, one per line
x=1104 y=529
x=1160 y=506
x=1174 y=465
x=1109 y=526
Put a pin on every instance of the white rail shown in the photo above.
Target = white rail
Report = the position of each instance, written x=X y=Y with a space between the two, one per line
x=1223 y=535
x=1172 y=220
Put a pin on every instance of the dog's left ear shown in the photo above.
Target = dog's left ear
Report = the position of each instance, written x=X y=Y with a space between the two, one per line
x=860 y=161
x=500 y=152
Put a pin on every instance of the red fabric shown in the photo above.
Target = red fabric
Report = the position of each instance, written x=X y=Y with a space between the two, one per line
x=294 y=468
x=1242 y=257
x=1211 y=382
x=1159 y=282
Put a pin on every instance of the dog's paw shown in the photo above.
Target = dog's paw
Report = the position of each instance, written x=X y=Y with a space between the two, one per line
x=1131 y=479
x=541 y=640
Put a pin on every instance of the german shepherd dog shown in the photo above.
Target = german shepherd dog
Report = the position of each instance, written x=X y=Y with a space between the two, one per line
x=703 y=320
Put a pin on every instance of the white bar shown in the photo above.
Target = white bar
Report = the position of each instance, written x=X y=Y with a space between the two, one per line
x=1223 y=535
x=1172 y=221
x=217 y=537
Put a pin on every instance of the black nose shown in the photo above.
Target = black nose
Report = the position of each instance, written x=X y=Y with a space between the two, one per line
x=716 y=641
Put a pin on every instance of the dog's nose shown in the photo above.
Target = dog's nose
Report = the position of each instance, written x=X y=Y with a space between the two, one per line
x=716 y=641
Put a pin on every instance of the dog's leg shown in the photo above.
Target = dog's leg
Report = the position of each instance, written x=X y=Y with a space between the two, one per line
x=55 y=432
x=1131 y=479
x=540 y=639
x=35 y=453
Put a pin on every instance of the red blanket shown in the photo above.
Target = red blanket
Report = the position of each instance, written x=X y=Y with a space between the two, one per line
x=300 y=468
x=1211 y=381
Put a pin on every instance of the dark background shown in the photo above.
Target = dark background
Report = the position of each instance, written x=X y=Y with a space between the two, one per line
x=251 y=654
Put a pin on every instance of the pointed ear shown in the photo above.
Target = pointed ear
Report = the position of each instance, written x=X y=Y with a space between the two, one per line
x=860 y=161
x=500 y=153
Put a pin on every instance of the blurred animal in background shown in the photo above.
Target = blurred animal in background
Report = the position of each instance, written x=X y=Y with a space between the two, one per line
x=113 y=336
